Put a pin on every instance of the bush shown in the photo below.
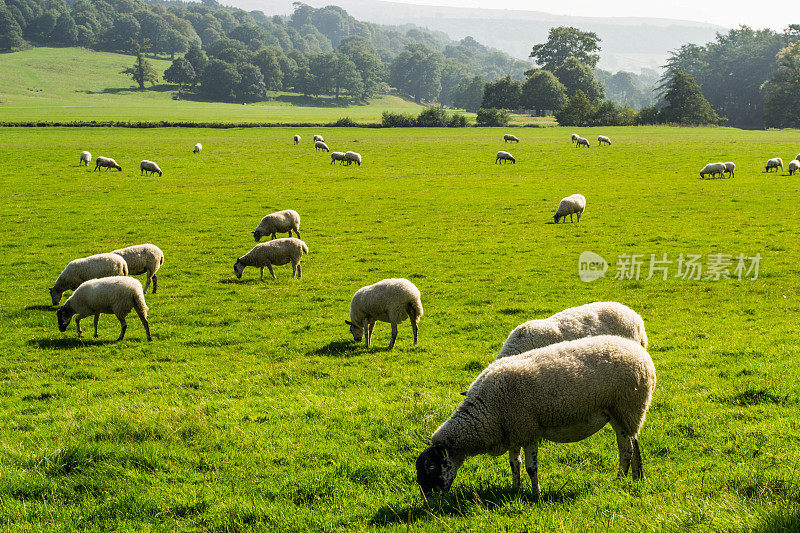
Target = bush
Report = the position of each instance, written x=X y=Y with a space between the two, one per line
x=457 y=121
x=398 y=120
x=648 y=116
x=432 y=117
x=492 y=117
x=344 y=122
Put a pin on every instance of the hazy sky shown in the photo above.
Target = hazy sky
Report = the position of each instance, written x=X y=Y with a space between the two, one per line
x=758 y=14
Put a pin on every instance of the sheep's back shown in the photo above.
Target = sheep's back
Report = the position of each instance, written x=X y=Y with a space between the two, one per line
x=141 y=258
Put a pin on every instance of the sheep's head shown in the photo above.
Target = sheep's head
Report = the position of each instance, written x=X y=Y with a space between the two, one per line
x=257 y=235
x=555 y=218
x=436 y=469
x=64 y=315
x=238 y=268
x=356 y=330
x=160 y=173
x=55 y=295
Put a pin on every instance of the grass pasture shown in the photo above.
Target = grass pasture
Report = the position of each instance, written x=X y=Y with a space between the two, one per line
x=252 y=410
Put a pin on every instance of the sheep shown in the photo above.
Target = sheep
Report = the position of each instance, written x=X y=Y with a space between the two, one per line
x=713 y=169
x=278 y=252
x=564 y=392
x=143 y=258
x=590 y=320
x=352 y=157
x=338 y=156
x=580 y=141
x=503 y=157
x=603 y=139
x=575 y=203
x=797 y=157
x=106 y=162
x=793 y=166
x=775 y=162
x=320 y=145
x=318 y=138
x=115 y=295
x=296 y=139
x=85 y=159
x=510 y=138
x=574 y=136
x=197 y=148
x=278 y=222
x=389 y=300
x=729 y=168
x=84 y=269
x=150 y=167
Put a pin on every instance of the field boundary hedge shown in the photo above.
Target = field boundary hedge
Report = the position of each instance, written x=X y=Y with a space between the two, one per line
x=178 y=124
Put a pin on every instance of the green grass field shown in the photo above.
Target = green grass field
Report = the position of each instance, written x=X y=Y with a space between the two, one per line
x=253 y=410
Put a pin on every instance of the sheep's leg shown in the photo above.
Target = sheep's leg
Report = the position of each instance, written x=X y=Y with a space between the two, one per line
x=78 y=325
x=367 y=332
x=96 y=320
x=155 y=283
x=124 y=327
x=299 y=270
x=298 y=233
x=532 y=467
x=637 y=472
x=262 y=273
x=145 y=323
x=579 y=219
x=273 y=234
x=414 y=328
x=147 y=283
x=514 y=460
x=625 y=452
x=270 y=271
x=394 y=335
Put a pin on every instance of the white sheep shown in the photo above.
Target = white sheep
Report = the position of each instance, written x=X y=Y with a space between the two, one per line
x=150 y=167
x=797 y=157
x=573 y=204
x=574 y=137
x=296 y=139
x=564 y=392
x=502 y=157
x=590 y=320
x=730 y=167
x=793 y=166
x=115 y=295
x=510 y=138
x=277 y=252
x=278 y=222
x=603 y=139
x=106 y=162
x=318 y=138
x=143 y=258
x=352 y=157
x=775 y=162
x=713 y=169
x=85 y=159
x=389 y=300
x=197 y=148
x=320 y=145
x=338 y=156
x=580 y=141
x=84 y=269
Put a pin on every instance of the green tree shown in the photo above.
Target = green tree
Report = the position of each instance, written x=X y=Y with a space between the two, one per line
x=141 y=71
x=10 y=31
x=347 y=77
x=251 y=83
x=267 y=61
x=492 y=117
x=468 y=94
x=577 y=76
x=65 y=31
x=685 y=102
x=417 y=71
x=502 y=94
x=220 y=80
x=542 y=91
x=176 y=43
x=565 y=42
x=180 y=72
x=578 y=111
x=368 y=64
x=782 y=91
x=197 y=58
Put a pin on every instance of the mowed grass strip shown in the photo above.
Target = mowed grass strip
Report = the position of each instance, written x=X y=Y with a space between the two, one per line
x=253 y=410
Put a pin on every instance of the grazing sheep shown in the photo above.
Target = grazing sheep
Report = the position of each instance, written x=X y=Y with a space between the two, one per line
x=573 y=204
x=352 y=157
x=278 y=222
x=338 y=156
x=150 y=167
x=603 y=139
x=278 y=252
x=713 y=169
x=143 y=258
x=793 y=166
x=774 y=163
x=115 y=295
x=318 y=138
x=84 y=269
x=797 y=157
x=510 y=138
x=580 y=141
x=502 y=157
x=389 y=300
x=729 y=168
x=296 y=139
x=197 y=148
x=85 y=159
x=106 y=162
x=574 y=137
x=590 y=320
x=320 y=145
x=564 y=392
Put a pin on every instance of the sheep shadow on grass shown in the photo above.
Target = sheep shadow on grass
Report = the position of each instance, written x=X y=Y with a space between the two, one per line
x=67 y=343
x=340 y=348
x=41 y=308
x=248 y=281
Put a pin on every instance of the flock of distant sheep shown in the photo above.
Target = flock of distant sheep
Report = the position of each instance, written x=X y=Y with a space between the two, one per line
x=561 y=379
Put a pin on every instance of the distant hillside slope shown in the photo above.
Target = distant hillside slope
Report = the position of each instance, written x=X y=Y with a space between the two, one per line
x=628 y=43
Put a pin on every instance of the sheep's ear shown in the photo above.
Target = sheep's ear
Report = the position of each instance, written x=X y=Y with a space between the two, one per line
x=349 y=323
x=463 y=393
